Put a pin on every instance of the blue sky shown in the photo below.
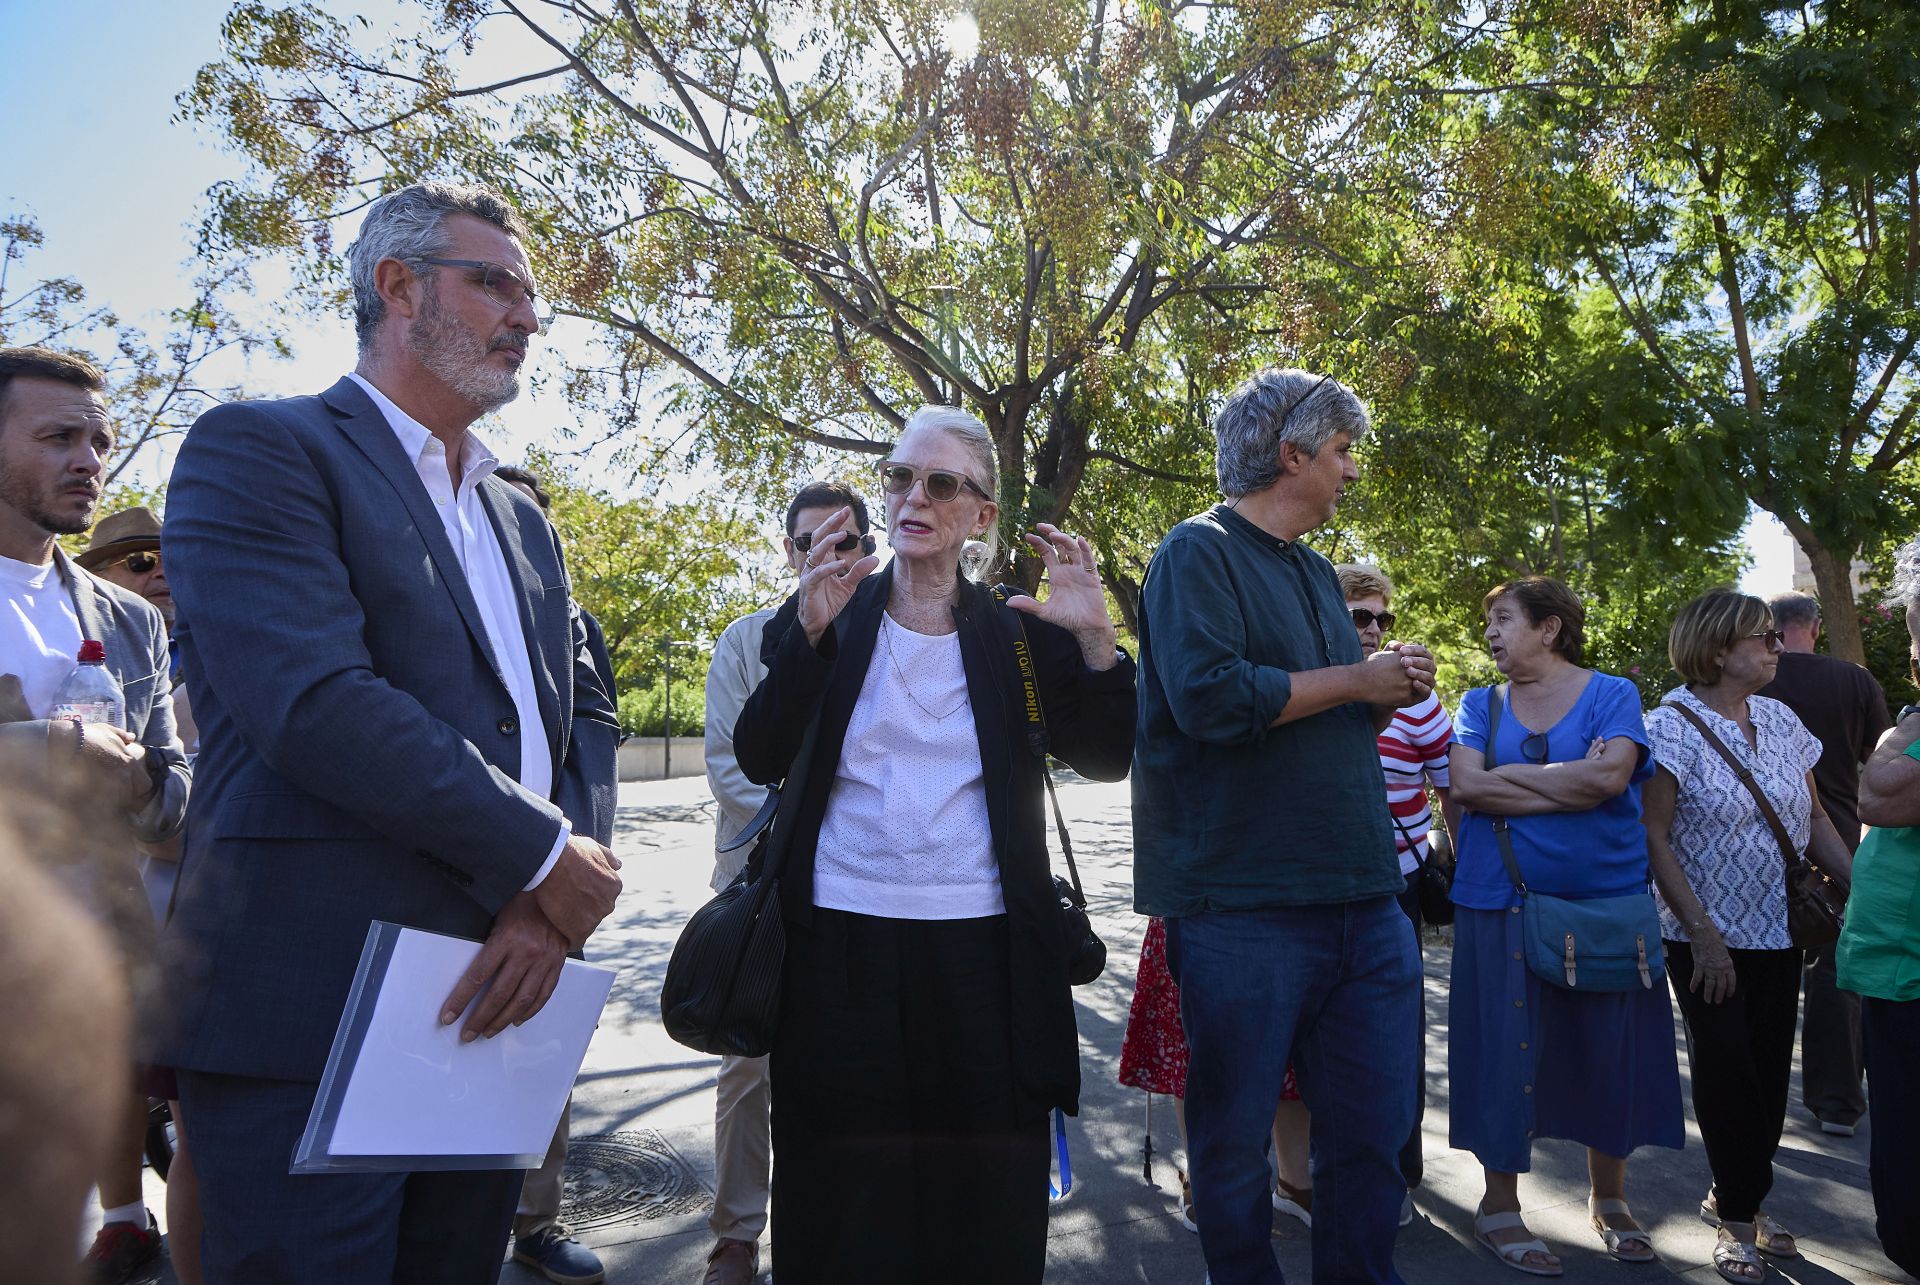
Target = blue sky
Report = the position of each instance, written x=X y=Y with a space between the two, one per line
x=116 y=186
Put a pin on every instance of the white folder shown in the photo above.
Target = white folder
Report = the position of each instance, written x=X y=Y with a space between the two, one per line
x=402 y=1093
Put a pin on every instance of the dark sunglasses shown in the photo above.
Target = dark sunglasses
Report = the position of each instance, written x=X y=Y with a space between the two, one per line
x=1362 y=618
x=139 y=563
x=1533 y=747
x=898 y=479
x=1773 y=636
x=845 y=544
x=502 y=285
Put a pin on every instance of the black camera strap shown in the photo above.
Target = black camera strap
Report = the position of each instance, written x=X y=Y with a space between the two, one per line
x=1037 y=741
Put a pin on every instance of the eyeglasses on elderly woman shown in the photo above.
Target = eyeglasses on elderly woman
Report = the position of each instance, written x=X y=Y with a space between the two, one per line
x=898 y=479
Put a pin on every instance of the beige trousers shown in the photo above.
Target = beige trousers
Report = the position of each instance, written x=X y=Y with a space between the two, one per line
x=540 y=1193
x=742 y=1149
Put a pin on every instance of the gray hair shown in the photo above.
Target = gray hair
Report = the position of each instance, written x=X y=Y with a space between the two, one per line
x=1793 y=610
x=408 y=225
x=975 y=563
x=1905 y=590
x=1273 y=407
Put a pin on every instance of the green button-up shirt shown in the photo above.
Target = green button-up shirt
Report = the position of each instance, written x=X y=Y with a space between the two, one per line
x=1879 y=951
x=1229 y=811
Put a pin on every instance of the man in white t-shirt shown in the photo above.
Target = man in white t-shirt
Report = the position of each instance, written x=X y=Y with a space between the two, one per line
x=742 y=1150
x=54 y=440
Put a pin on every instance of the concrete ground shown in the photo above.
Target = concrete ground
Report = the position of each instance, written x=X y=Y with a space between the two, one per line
x=641 y=1169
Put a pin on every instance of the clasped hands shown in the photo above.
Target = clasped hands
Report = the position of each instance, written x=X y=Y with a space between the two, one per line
x=1398 y=674
x=520 y=964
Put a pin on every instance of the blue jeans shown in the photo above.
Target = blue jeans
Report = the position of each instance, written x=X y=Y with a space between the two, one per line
x=1336 y=989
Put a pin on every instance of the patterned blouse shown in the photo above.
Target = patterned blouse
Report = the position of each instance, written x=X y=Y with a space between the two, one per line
x=1725 y=847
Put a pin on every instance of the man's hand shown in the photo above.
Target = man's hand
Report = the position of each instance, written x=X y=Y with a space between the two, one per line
x=1418 y=663
x=580 y=890
x=1385 y=681
x=101 y=762
x=518 y=968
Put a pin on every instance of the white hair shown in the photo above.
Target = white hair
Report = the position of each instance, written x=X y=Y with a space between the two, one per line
x=974 y=564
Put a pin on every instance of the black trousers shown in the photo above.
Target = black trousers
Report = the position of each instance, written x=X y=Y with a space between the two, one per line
x=1740 y=1052
x=1412 y=1163
x=1893 y=1069
x=903 y=1151
x=1830 y=1056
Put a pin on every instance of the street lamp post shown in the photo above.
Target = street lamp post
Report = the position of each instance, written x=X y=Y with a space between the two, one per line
x=666 y=741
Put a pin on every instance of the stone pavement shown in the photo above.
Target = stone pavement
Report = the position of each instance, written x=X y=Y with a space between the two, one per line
x=641 y=1167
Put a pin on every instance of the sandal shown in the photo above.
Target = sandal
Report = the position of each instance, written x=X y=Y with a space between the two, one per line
x=1514 y=1253
x=1294 y=1201
x=1186 y=1202
x=1770 y=1238
x=1616 y=1239
x=1736 y=1260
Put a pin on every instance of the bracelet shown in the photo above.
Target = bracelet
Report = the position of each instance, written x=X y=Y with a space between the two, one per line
x=79 y=736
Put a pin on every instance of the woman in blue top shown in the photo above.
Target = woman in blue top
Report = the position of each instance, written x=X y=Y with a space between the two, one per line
x=1528 y=1059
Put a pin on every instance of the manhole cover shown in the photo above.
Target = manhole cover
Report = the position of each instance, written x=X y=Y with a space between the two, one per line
x=627 y=1176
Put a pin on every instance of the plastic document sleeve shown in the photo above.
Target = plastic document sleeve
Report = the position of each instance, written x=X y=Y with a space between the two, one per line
x=401 y=1093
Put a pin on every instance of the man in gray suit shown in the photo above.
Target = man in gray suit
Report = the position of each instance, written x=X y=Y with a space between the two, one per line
x=131 y=782
x=399 y=720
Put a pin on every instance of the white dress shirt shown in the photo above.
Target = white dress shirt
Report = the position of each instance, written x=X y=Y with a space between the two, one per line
x=484 y=564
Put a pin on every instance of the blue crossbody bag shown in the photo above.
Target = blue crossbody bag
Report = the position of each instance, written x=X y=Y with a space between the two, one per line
x=1601 y=944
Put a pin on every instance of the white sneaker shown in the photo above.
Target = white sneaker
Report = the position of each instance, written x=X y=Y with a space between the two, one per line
x=1406 y=1210
x=1295 y=1202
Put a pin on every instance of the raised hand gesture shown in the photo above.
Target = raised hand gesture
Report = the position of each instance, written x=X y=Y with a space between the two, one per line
x=827 y=582
x=1075 y=598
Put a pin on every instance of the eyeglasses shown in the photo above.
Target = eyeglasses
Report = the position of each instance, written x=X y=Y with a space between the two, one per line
x=1533 y=747
x=1773 y=636
x=845 y=544
x=1363 y=619
x=898 y=479
x=502 y=285
x=139 y=562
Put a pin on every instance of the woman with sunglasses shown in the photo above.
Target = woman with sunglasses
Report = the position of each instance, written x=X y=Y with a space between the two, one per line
x=1528 y=1059
x=926 y=1025
x=1721 y=878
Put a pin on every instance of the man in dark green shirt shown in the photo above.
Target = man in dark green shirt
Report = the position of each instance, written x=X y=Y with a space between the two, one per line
x=1261 y=834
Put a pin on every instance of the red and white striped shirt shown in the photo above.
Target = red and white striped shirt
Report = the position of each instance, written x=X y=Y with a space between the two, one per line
x=1413 y=753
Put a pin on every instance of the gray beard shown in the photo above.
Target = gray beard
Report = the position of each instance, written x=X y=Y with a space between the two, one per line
x=458 y=359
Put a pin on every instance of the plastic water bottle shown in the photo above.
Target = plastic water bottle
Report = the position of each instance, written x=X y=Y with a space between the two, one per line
x=90 y=693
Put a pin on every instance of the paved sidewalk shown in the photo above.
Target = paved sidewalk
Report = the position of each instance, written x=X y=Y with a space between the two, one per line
x=641 y=1168
x=1115 y=1227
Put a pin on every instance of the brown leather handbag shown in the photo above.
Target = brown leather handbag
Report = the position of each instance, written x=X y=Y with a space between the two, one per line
x=1816 y=901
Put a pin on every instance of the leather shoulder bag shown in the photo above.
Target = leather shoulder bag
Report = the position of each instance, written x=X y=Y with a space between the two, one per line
x=1599 y=944
x=1816 y=902
x=1434 y=889
x=1086 y=954
x=722 y=989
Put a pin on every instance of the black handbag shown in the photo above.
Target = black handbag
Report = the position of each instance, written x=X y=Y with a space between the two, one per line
x=722 y=989
x=1434 y=891
x=1086 y=954
x=1816 y=901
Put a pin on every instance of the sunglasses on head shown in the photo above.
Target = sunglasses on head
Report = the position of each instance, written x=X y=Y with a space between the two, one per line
x=139 y=563
x=1362 y=618
x=845 y=544
x=898 y=479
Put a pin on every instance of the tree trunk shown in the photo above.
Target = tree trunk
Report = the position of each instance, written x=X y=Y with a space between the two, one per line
x=1833 y=585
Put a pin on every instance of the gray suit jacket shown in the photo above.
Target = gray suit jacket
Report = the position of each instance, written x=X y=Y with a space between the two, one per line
x=358 y=746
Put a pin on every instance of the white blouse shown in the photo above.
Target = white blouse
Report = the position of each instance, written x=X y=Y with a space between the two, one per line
x=906 y=834
x=1725 y=847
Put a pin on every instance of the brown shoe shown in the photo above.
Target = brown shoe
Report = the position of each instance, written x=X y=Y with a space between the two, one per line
x=733 y=1262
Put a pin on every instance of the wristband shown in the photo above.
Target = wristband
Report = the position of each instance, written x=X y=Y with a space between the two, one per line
x=79 y=736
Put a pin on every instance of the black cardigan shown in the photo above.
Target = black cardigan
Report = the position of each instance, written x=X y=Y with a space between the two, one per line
x=1090 y=716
